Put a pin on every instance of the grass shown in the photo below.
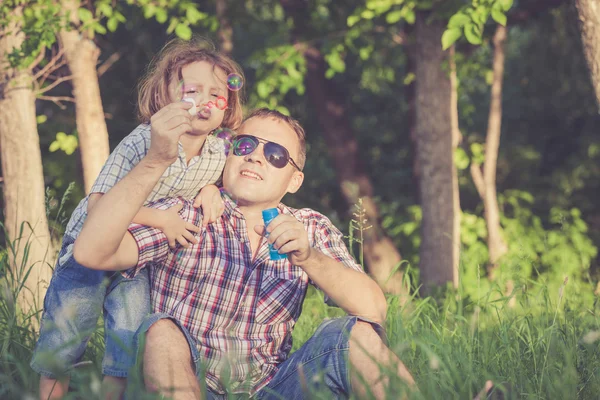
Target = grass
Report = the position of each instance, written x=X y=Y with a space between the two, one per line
x=541 y=348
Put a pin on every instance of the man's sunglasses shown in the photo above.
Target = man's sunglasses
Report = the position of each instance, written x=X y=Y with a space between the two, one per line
x=276 y=154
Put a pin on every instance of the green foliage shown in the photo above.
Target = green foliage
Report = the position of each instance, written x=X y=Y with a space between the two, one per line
x=470 y=20
x=64 y=142
x=39 y=21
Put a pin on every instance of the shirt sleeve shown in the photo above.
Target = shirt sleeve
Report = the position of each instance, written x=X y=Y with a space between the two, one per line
x=330 y=241
x=152 y=243
x=123 y=158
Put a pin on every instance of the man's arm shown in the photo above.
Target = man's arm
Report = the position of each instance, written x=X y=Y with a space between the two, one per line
x=353 y=291
x=104 y=242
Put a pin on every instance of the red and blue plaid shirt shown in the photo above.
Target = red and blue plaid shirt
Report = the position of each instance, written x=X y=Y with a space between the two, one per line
x=240 y=311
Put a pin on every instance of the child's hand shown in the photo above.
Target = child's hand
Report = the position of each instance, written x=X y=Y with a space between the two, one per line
x=212 y=204
x=176 y=229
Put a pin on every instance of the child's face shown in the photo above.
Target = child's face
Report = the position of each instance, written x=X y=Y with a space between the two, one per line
x=207 y=85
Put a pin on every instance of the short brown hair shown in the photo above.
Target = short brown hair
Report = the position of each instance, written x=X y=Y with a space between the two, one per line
x=153 y=91
x=289 y=121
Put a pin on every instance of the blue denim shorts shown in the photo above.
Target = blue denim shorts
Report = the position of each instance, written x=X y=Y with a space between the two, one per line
x=321 y=365
x=75 y=299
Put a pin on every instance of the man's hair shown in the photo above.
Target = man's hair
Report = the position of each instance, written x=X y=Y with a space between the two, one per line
x=289 y=121
x=153 y=91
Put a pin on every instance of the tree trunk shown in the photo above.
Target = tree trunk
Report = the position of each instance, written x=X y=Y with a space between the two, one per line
x=486 y=182
x=82 y=56
x=30 y=248
x=496 y=245
x=225 y=31
x=589 y=18
x=436 y=132
x=381 y=256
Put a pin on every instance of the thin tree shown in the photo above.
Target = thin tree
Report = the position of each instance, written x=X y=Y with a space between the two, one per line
x=82 y=55
x=30 y=247
x=486 y=182
x=381 y=255
x=225 y=31
x=589 y=18
x=436 y=132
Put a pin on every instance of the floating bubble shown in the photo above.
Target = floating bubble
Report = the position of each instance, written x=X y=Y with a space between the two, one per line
x=227 y=135
x=234 y=82
x=221 y=103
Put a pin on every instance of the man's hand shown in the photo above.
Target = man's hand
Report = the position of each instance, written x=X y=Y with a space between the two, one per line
x=175 y=228
x=289 y=236
x=211 y=202
x=168 y=124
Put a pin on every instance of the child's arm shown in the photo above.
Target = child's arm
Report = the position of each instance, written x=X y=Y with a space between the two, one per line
x=209 y=198
x=168 y=221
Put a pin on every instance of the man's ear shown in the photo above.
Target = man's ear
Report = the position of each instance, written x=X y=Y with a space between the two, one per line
x=295 y=182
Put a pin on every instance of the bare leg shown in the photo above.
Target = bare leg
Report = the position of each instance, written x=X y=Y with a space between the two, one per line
x=372 y=361
x=51 y=389
x=115 y=387
x=167 y=363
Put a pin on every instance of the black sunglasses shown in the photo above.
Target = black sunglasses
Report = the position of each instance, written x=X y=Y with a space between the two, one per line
x=276 y=154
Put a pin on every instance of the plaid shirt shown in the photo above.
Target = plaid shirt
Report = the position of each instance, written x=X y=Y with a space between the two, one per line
x=240 y=311
x=180 y=178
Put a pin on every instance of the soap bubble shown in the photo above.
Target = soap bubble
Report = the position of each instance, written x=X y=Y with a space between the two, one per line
x=221 y=103
x=227 y=135
x=234 y=82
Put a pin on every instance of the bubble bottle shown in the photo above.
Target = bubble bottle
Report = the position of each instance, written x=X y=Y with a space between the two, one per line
x=268 y=216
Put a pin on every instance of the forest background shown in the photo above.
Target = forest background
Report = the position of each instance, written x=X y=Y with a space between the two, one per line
x=456 y=143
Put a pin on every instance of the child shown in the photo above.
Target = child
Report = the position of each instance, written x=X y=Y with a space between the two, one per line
x=76 y=295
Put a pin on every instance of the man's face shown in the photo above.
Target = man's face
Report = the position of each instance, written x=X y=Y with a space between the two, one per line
x=251 y=180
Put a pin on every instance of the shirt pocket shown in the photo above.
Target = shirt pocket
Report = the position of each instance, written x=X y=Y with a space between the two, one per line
x=280 y=295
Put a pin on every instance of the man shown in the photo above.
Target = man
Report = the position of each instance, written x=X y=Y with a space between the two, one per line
x=220 y=301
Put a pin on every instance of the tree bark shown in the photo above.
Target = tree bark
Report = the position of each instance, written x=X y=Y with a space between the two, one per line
x=486 y=182
x=589 y=21
x=82 y=56
x=225 y=31
x=381 y=256
x=30 y=247
x=436 y=132
x=496 y=245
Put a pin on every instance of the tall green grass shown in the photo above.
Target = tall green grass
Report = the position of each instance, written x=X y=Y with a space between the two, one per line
x=547 y=346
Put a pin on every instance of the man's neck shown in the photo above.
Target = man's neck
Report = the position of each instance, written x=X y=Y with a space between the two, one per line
x=192 y=144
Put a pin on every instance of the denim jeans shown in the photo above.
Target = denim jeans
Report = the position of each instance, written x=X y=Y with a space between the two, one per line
x=74 y=301
x=321 y=365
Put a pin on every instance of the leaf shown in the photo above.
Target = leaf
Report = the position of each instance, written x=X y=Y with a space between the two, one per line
x=473 y=34
x=111 y=24
x=458 y=20
x=85 y=15
x=161 y=15
x=54 y=146
x=394 y=16
x=461 y=159
x=183 y=31
x=449 y=37
x=99 y=28
x=499 y=17
x=505 y=4
x=352 y=20
x=40 y=119
x=105 y=9
x=193 y=15
x=263 y=90
x=410 y=16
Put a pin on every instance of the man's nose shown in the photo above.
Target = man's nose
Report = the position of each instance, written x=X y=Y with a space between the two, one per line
x=257 y=156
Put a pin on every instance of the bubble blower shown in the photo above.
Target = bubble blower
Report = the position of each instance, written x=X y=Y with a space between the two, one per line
x=268 y=216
